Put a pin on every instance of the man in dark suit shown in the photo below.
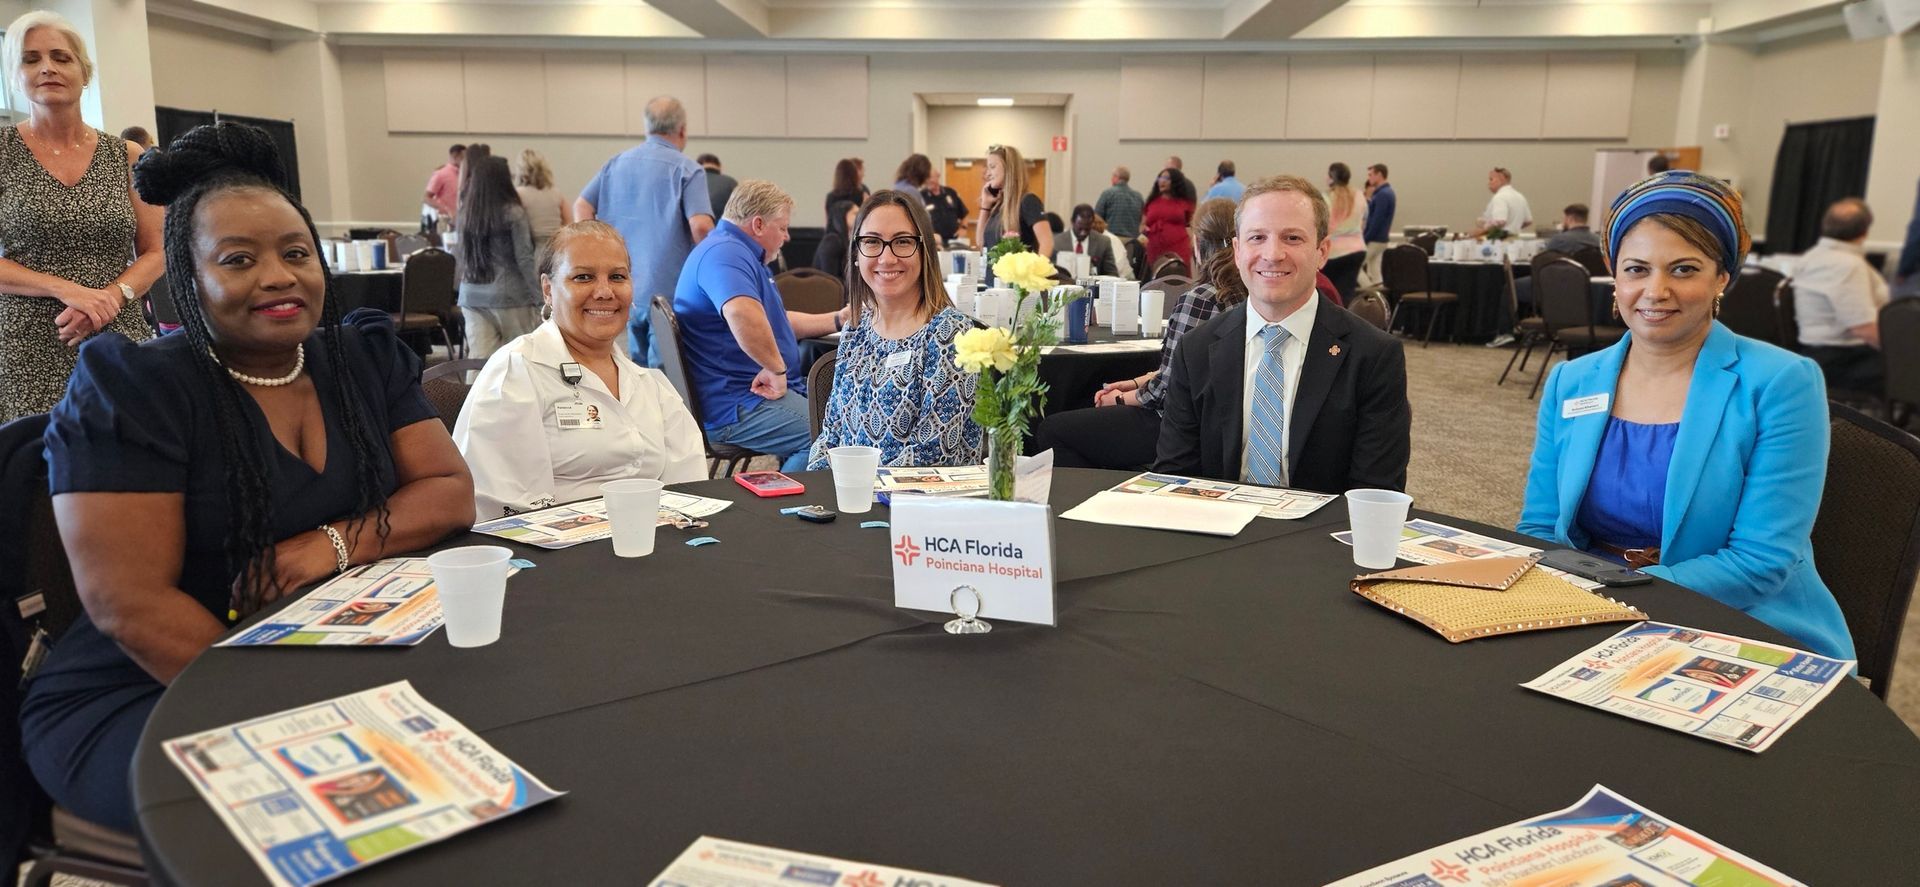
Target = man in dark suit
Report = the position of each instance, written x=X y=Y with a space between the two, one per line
x=1093 y=243
x=1287 y=389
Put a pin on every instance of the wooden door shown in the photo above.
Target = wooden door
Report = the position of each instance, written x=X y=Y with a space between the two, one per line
x=966 y=179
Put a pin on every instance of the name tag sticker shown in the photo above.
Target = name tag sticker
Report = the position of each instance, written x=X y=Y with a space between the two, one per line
x=899 y=359
x=576 y=416
x=1584 y=406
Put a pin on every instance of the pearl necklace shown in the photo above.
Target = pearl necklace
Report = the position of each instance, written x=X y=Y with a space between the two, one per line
x=299 y=363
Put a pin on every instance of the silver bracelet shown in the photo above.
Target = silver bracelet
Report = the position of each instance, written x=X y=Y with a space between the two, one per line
x=339 y=548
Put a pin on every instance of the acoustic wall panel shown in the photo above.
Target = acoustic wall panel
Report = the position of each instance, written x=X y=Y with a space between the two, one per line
x=682 y=76
x=586 y=93
x=1328 y=97
x=1588 y=97
x=1157 y=95
x=1501 y=97
x=424 y=92
x=1244 y=97
x=746 y=95
x=1415 y=96
x=505 y=93
x=827 y=96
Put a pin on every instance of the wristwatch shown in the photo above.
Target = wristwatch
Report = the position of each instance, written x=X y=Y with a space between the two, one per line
x=127 y=291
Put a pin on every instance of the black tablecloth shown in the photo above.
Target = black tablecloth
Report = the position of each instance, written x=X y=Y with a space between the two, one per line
x=1482 y=287
x=1071 y=378
x=1219 y=711
x=367 y=289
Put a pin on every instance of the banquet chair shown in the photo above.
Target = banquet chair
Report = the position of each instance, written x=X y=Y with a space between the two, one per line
x=1567 y=308
x=1371 y=307
x=33 y=570
x=1530 y=331
x=1174 y=285
x=160 y=312
x=428 y=290
x=1900 y=322
x=1167 y=265
x=1591 y=258
x=1748 y=307
x=1866 y=539
x=446 y=385
x=819 y=386
x=1409 y=281
x=1784 y=316
x=1427 y=242
x=810 y=291
x=673 y=362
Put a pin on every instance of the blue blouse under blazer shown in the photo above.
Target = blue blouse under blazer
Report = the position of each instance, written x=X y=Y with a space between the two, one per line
x=1743 y=487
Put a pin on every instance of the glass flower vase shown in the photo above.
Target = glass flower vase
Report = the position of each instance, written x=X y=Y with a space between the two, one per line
x=1003 y=456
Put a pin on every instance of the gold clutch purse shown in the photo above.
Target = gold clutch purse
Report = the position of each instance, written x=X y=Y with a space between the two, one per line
x=1471 y=599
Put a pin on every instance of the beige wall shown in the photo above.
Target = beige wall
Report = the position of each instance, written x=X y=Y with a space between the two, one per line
x=199 y=68
x=1896 y=140
x=1816 y=77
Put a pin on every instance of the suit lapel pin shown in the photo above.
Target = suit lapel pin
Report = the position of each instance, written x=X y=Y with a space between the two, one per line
x=1333 y=350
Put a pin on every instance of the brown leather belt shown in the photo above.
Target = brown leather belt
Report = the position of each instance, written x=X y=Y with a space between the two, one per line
x=1635 y=557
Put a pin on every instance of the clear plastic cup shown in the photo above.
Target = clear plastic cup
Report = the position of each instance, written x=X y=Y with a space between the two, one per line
x=854 y=470
x=471 y=582
x=1376 y=518
x=633 y=507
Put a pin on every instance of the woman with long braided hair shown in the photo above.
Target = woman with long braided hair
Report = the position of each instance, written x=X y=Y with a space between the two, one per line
x=199 y=476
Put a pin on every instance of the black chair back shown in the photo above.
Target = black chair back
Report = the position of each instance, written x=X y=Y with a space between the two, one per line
x=1748 y=306
x=810 y=291
x=23 y=486
x=1561 y=294
x=1426 y=242
x=1866 y=540
x=1403 y=269
x=1591 y=259
x=1372 y=308
x=446 y=385
x=429 y=284
x=1900 y=322
x=160 y=308
x=819 y=387
x=673 y=362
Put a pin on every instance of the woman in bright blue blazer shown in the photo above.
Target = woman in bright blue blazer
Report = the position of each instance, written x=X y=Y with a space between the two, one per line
x=1690 y=452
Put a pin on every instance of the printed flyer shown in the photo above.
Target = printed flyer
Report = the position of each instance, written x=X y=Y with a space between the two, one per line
x=711 y=862
x=388 y=603
x=1731 y=690
x=1274 y=502
x=961 y=480
x=1603 y=841
x=1426 y=542
x=319 y=791
x=564 y=526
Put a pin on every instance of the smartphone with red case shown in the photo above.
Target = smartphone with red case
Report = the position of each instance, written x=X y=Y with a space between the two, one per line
x=768 y=484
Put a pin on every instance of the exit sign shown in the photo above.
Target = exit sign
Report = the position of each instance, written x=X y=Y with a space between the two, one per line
x=1059 y=143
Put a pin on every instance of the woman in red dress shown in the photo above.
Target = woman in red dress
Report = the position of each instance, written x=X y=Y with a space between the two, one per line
x=1168 y=212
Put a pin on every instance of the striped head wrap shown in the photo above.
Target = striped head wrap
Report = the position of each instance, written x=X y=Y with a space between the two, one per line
x=1704 y=199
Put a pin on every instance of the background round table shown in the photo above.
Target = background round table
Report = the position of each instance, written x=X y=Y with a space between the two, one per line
x=1216 y=706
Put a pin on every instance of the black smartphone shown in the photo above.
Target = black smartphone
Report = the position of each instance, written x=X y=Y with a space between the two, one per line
x=993 y=190
x=1586 y=566
x=816 y=514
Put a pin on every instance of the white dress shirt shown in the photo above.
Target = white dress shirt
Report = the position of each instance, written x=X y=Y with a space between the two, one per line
x=521 y=459
x=1508 y=209
x=1121 y=262
x=1293 y=355
x=1835 y=290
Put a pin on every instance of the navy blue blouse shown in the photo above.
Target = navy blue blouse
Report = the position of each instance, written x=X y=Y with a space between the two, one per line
x=137 y=419
x=1628 y=488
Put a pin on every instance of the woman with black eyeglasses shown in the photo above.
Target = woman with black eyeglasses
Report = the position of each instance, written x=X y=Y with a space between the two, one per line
x=895 y=385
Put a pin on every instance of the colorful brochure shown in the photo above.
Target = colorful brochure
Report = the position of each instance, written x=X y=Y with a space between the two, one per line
x=1273 y=501
x=1727 y=689
x=564 y=526
x=319 y=791
x=1605 y=840
x=959 y=480
x=712 y=862
x=1426 y=542
x=388 y=603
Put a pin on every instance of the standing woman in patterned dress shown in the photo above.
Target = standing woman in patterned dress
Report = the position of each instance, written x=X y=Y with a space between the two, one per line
x=77 y=247
x=895 y=383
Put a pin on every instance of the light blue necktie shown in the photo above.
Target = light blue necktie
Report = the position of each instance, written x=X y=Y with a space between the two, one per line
x=1267 y=426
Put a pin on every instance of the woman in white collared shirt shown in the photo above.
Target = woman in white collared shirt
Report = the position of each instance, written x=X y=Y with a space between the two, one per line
x=560 y=410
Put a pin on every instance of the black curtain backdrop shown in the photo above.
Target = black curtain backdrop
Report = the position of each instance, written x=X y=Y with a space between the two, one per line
x=174 y=123
x=1818 y=164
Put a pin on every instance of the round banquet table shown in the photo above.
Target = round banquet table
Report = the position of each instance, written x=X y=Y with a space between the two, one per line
x=1206 y=705
x=1482 y=287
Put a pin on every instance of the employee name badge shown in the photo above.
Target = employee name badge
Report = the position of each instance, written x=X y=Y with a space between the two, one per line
x=899 y=359
x=1575 y=407
x=576 y=416
x=996 y=556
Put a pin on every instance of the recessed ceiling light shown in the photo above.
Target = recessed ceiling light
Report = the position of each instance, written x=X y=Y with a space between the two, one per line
x=994 y=103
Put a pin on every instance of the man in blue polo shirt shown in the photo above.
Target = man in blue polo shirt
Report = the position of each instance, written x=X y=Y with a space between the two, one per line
x=741 y=343
x=656 y=196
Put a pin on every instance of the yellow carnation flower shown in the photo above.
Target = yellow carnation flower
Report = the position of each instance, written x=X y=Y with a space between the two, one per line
x=1029 y=271
x=975 y=350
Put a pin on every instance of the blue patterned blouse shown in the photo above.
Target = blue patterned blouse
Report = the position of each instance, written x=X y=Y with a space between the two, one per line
x=905 y=396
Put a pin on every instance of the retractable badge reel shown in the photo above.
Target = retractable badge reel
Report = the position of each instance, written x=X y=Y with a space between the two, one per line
x=969 y=621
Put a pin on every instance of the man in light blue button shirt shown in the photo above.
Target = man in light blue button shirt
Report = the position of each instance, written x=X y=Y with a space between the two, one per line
x=656 y=196
x=1224 y=184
